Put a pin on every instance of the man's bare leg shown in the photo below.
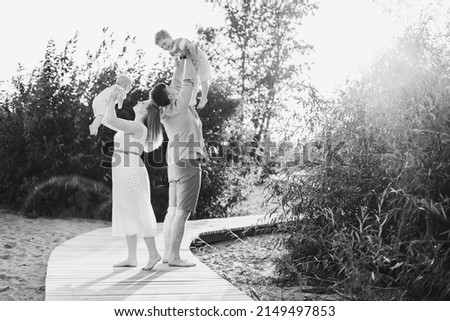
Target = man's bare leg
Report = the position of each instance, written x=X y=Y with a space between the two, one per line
x=167 y=229
x=177 y=233
x=153 y=255
x=131 y=261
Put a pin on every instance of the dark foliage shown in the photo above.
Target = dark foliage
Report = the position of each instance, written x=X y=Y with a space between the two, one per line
x=45 y=138
x=69 y=197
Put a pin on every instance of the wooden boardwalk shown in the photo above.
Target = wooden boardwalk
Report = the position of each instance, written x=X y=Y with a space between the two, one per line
x=82 y=269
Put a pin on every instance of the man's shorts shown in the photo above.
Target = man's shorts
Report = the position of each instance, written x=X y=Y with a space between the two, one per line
x=184 y=184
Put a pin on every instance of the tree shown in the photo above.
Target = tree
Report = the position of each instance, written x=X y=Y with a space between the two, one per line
x=264 y=33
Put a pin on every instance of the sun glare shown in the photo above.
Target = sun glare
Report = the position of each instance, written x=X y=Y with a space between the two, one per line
x=346 y=36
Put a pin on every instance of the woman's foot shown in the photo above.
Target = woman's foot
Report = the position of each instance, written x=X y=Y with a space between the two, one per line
x=127 y=263
x=181 y=263
x=151 y=263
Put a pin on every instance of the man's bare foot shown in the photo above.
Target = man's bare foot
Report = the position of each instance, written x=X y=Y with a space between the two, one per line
x=181 y=263
x=93 y=130
x=127 y=263
x=165 y=259
x=151 y=263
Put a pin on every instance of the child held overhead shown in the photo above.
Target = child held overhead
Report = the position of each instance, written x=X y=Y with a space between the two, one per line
x=100 y=102
x=181 y=48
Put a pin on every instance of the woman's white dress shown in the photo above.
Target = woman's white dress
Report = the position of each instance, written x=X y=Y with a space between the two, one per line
x=132 y=212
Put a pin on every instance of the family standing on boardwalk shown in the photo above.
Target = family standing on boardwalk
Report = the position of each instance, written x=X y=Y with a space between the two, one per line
x=171 y=106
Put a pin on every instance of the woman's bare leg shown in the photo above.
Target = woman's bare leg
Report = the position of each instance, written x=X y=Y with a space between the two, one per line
x=131 y=261
x=153 y=255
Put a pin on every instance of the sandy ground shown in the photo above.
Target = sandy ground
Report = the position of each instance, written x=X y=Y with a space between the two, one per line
x=25 y=247
x=26 y=244
x=248 y=264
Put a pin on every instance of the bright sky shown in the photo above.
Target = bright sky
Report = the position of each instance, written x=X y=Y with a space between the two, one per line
x=345 y=33
x=27 y=25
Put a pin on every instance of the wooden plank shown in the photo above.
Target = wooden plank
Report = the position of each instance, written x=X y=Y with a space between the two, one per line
x=82 y=268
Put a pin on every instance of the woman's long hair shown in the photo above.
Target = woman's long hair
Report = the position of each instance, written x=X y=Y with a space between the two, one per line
x=154 y=128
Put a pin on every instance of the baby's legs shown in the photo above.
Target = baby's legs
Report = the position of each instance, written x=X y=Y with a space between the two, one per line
x=204 y=97
x=99 y=107
x=93 y=128
x=205 y=76
x=193 y=101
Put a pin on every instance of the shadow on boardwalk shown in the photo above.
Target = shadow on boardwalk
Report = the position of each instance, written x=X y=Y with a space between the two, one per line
x=82 y=269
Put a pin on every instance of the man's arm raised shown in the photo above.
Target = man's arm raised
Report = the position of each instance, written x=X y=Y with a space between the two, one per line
x=177 y=77
x=190 y=77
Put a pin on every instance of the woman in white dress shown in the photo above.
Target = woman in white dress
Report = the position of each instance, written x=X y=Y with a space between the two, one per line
x=132 y=213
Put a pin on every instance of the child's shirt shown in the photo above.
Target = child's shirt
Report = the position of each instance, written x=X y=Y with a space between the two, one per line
x=180 y=47
x=100 y=102
x=106 y=93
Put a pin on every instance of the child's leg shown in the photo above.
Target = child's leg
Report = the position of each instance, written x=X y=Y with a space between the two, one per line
x=204 y=96
x=93 y=128
x=193 y=101
x=203 y=66
x=193 y=52
x=205 y=75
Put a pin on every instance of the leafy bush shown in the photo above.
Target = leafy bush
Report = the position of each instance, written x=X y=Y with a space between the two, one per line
x=159 y=190
x=45 y=132
x=46 y=127
x=373 y=221
x=69 y=196
x=12 y=162
x=220 y=187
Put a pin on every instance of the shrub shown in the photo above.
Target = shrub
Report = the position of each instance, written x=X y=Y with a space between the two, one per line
x=220 y=187
x=69 y=196
x=373 y=222
x=45 y=133
x=159 y=190
x=13 y=164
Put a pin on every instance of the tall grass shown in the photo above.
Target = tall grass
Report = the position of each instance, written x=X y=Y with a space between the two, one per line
x=373 y=221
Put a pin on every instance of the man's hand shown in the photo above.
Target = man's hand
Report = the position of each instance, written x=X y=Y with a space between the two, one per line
x=179 y=62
